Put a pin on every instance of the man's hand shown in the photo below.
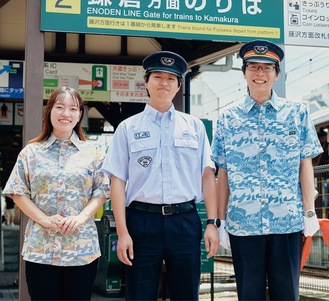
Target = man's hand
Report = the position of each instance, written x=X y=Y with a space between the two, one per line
x=211 y=240
x=311 y=225
x=224 y=238
x=125 y=249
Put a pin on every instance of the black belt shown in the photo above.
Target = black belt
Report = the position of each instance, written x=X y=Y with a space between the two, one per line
x=164 y=209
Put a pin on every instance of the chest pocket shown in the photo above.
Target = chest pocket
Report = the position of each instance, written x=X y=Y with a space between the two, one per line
x=186 y=151
x=181 y=142
x=139 y=146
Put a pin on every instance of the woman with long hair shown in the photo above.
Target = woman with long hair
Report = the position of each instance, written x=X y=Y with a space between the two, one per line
x=58 y=184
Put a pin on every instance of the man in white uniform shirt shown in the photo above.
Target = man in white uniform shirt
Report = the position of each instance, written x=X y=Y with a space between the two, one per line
x=160 y=166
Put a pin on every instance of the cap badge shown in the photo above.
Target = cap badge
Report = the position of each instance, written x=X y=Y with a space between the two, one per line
x=260 y=49
x=167 y=61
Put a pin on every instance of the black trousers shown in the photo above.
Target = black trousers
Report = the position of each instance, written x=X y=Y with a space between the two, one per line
x=48 y=282
x=174 y=239
x=267 y=260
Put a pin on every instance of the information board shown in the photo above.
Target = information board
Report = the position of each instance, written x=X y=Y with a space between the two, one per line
x=307 y=22
x=95 y=82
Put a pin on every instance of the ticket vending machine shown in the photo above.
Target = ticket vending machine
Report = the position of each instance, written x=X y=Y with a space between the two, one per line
x=110 y=272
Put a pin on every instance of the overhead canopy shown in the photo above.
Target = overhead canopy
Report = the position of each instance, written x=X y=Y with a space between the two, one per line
x=91 y=48
x=102 y=49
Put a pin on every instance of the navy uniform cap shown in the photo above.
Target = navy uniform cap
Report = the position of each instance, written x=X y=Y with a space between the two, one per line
x=261 y=51
x=165 y=61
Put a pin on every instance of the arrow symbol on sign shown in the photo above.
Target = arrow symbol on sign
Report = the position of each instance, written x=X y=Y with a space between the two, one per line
x=94 y=82
x=99 y=71
x=5 y=68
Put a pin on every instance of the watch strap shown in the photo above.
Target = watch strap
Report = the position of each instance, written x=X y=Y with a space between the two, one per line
x=214 y=221
x=309 y=213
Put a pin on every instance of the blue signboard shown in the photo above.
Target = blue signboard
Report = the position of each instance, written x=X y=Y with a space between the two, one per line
x=11 y=79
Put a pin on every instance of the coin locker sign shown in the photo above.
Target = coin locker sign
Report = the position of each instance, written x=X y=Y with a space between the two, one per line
x=307 y=22
x=225 y=20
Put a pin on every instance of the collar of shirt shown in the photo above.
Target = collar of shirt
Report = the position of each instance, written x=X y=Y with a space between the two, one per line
x=249 y=102
x=153 y=113
x=74 y=139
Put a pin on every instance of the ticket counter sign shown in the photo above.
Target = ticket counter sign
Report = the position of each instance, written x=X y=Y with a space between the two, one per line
x=218 y=20
x=95 y=82
x=104 y=83
x=307 y=22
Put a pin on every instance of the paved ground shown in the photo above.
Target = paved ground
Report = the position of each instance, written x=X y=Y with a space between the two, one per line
x=223 y=292
x=9 y=290
x=12 y=295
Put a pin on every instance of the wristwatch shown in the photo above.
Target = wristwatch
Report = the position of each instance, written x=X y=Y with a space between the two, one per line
x=309 y=213
x=214 y=221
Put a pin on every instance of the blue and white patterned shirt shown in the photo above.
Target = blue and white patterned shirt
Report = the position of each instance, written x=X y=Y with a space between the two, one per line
x=161 y=156
x=261 y=146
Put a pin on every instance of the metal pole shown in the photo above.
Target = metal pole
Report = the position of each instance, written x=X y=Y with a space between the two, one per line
x=33 y=103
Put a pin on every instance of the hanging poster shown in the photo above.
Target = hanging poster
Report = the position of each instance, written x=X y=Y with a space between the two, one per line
x=6 y=116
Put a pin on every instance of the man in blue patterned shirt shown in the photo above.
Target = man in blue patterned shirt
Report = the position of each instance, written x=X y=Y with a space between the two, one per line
x=264 y=149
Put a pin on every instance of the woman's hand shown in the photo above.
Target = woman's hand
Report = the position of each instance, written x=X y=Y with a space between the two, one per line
x=51 y=222
x=71 y=223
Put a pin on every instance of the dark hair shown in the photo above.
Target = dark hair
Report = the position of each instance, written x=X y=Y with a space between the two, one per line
x=47 y=127
x=147 y=77
x=244 y=67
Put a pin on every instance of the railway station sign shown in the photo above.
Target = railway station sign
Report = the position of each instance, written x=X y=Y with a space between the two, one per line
x=217 y=20
x=289 y=22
